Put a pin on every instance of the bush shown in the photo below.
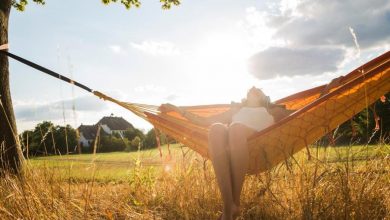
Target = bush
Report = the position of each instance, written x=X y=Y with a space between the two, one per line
x=150 y=139
x=111 y=144
x=131 y=133
x=134 y=145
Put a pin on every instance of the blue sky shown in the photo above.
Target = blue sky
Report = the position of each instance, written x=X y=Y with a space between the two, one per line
x=201 y=52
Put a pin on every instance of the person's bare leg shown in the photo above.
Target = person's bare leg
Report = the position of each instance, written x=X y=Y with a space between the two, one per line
x=218 y=144
x=239 y=157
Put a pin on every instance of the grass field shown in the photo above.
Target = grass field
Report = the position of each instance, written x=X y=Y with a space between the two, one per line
x=105 y=167
x=117 y=165
x=336 y=183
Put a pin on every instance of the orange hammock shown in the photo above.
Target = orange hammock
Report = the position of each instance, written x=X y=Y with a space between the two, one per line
x=315 y=115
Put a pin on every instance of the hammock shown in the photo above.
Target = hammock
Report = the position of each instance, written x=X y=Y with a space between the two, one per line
x=316 y=114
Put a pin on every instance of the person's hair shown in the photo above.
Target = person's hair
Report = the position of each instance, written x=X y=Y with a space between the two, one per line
x=265 y=101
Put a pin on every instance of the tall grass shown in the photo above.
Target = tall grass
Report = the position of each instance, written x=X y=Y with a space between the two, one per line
x=320 y=188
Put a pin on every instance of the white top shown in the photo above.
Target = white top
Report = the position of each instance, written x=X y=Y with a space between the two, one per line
x=257 y=118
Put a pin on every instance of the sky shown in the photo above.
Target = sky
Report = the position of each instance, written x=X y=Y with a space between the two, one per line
x=201 y=52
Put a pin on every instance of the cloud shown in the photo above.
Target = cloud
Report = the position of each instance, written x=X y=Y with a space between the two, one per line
x=327 y=22
x=115 y=48
x=56 y=110
x=277 y=61
x=161 y=48
x=319 y=36
x=150 y=89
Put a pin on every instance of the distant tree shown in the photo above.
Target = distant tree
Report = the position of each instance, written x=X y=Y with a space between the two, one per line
x=109 y=143
x=136 y=144
x=11 y=155
x=131 y=133
x=65 y=139
x=42 y=143
x=48 y=139
x=116 y=134
x=150 y=139
x=26 y=139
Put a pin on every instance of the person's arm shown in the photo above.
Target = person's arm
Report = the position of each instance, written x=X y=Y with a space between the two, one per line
x=279 y=113
x=224 y=117
x=333 y=84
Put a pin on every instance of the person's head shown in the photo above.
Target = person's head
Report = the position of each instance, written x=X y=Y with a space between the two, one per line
x=256 y=97
x=383 y=98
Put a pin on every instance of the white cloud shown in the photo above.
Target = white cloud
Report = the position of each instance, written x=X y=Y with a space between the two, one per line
x=150 y=89
x=285 y=61
x=289 y=7
x=355 y=40
x=314 y=37
x=327 y=23
x=256 y=30
x=115 y=48
x=162 y=48
x=57 y=109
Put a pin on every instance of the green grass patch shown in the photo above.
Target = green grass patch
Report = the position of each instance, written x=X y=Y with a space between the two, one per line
x=120 y=166
x=105 y=167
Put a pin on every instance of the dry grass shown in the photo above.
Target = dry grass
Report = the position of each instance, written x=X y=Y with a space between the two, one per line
x=298 y=189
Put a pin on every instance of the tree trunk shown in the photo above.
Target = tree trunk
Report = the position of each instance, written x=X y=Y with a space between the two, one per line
x=10 y=153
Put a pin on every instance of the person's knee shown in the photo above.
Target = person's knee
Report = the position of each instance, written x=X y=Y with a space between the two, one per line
x=217 y=139
x=237 y=134
x=217 y=130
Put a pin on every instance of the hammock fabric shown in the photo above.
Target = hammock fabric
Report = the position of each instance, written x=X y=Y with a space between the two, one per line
x=316 y=115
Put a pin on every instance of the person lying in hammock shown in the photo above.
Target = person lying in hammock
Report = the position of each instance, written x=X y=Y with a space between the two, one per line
x=228 y=133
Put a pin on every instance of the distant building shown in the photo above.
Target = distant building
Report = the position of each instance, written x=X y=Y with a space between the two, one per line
x=87 y=134
x=109 y=126
x=112 y=125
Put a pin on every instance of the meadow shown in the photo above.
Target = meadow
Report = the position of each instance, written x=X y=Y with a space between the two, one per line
x=336 y=183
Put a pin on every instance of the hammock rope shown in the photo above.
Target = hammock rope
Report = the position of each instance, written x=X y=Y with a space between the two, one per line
x=316 y=113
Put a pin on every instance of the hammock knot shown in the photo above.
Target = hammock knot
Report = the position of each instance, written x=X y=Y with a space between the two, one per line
x=103 y=96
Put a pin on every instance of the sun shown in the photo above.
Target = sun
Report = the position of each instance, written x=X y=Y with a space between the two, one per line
x=217 y=64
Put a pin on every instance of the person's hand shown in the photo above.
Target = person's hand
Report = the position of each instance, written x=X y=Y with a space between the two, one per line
x=167 y=107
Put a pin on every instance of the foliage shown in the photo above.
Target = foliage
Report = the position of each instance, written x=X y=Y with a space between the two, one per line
x=20 y=5
x=136 y=143
x=127 y=3
x=150 y=139
x=110 y=143
x=167 y=4
x=358 y=130
x=49 y=139
x=131 y=133
x=116 y=135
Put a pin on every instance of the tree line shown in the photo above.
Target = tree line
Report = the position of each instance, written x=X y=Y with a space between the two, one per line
x=49 y=139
